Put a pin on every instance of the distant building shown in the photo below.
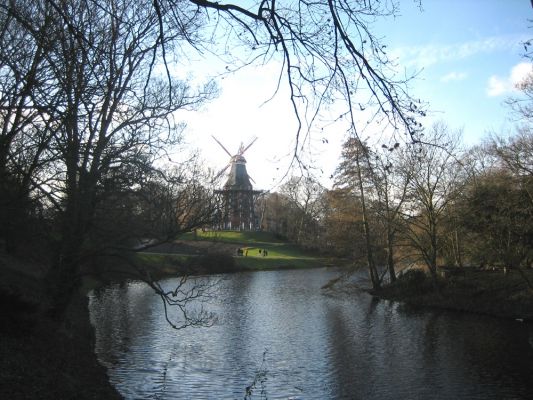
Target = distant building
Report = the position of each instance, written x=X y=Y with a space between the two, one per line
x=237 y=198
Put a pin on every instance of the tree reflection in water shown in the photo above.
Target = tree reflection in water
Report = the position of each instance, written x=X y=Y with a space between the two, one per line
x=336 y=346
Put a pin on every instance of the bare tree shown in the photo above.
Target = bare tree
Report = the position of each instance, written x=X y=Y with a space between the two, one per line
x=433 y=171
x=355 y=174
x=496 y=219
x=90 y=83
x=515 y=152
x=23 y=72
x=304 y=193
x=24 y=80
x=391 y=187
x=341 y=223
x=328 y=54
x=95 y=78
x=522 y=105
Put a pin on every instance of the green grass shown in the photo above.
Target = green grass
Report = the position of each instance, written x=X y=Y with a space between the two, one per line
x=281 y=254
x=233 y=236
x=161 y=265
x=162 y=259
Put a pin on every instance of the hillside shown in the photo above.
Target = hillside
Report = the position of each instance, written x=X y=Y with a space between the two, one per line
x=258 y=251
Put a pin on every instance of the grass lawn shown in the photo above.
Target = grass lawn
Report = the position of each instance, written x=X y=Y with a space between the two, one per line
x=280 y=254
x=233 y=237
x=164 y=262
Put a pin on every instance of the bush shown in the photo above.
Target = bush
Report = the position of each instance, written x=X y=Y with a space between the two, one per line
x=215 y=262
x=413 y=277
x=414 y=282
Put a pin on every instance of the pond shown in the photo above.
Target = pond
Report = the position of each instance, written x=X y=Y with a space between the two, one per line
x=300 y=342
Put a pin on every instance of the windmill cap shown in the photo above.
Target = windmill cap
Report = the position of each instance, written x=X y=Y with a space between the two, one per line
x=239 y=159
x=238 y=177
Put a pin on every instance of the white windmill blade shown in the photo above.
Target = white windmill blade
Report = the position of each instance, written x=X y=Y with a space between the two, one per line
x=221 y=172
x=252 y=179
x=247 y=147
x=221 y=145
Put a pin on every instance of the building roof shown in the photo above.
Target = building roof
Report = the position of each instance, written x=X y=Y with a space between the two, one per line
x=238 y=178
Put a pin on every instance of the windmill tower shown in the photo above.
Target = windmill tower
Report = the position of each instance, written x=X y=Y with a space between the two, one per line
x=237 y=197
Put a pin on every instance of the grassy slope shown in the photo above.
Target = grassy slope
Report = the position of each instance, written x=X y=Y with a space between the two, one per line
x=281 y=254
x=486 y=292
x=234 y=237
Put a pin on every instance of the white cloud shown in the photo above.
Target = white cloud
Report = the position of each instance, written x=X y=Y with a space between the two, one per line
x=454 y=76
x=431 y=54
x=520 y=72
x=498 y=85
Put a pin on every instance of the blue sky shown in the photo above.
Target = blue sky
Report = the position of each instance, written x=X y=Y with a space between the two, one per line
x=468 y=52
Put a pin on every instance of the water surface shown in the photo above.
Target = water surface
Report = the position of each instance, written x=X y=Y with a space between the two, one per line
x=307 y=344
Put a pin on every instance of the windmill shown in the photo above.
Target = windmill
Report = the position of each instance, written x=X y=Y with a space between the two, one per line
x=237 y=197
x=238 y=176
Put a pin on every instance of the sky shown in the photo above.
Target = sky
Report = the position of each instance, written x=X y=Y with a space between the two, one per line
x=468 y=55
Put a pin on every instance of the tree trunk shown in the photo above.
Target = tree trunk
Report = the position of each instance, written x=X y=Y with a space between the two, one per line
x=433 y=257
x=374 y=277
x=390 y=257
x=64 y=277
x=62 y=282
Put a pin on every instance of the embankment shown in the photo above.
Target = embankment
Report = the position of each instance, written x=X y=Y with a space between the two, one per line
x=505 y=295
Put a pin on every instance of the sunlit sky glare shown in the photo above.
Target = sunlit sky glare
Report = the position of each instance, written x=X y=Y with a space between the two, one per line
x=468 y=54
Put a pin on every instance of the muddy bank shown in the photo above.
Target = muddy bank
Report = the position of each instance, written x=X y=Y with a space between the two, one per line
x=40 y=358
x=504 y=295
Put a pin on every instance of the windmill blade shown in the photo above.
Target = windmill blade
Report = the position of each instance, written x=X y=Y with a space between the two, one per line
x=221 y=172
x=241 y=152
x=221 y=145
x=252 y=179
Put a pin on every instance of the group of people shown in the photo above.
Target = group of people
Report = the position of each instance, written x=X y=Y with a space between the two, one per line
x=241 y=252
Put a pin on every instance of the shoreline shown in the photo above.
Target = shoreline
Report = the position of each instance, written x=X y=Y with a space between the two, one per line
x=42 y=359
x=461 y=308
x=484 y=293
x=215 y=257
x=60 y=360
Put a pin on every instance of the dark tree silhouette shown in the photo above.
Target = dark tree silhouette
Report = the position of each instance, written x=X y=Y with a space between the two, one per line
x=327 y=49
x=88 y=97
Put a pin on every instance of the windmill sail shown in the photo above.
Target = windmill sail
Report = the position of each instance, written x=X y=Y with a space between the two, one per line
x=237 y=196
x=221 y=145
x=238 y=177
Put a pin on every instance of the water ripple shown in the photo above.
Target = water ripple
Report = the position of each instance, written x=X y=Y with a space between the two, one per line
x=307 y=345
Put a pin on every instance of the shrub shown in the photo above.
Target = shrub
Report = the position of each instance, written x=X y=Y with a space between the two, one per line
x=413 y=277
x=216 y=262
x=414 y=282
